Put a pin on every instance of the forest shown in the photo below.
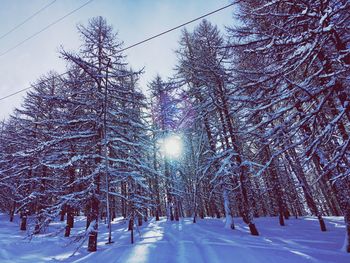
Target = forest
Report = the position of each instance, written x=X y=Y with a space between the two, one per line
x=254 y=123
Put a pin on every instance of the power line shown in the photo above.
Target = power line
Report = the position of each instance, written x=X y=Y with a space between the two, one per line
x=45 y=28
x=27 y=19
x=177 y=27
x=19 y=91
x=133 y=45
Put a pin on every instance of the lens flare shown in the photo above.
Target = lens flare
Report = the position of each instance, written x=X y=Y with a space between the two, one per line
x=171 y=146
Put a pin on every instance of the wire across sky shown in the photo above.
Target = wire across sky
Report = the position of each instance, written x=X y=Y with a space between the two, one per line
x=27 y=19
x=45 y=28
x=121 y=50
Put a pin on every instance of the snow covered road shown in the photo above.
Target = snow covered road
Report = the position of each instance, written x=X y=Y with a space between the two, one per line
x=205 y=241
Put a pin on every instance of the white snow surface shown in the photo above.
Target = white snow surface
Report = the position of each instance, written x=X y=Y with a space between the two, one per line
x=163 y=241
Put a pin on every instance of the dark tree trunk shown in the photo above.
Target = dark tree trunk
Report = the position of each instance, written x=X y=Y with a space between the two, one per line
x=24 y=222
x=157 y=214
x=113 y=212
x=131 y=229
x=253 y=229
x=177 y=216
x=343 y=188
x=92 y=244
x=247 y=216
x=171 y=213
x=276 y=187
x=131 y=223
x=298 y=171
x=286 y=213
x=88 y=221
x=201 y=214
x=70 y=220
x=139 y=220
x=347 y=224
x=145 y=218
x=62 y=213
x=67 y=231
x=123 y=189
x=12 y=211
x=70 y=217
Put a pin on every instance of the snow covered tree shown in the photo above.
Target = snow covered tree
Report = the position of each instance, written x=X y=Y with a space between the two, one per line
x=165 y=116
x=10 y=183
x=298 y=88
x=202 y=65
x=112 y=118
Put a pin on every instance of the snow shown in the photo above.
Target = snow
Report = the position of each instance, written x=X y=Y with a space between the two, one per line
x=164 y=241
x=228 y=221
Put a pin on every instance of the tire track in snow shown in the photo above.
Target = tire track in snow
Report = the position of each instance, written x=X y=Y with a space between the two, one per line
x=218 y=249
x=189 y=247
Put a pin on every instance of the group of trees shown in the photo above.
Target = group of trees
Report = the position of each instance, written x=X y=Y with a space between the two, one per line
x=263 y=113
x=79 y=140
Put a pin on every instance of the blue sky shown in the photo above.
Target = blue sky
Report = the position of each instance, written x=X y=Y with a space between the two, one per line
x=134 y=20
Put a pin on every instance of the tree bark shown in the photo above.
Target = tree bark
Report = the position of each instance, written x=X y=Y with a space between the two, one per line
x=298 y=171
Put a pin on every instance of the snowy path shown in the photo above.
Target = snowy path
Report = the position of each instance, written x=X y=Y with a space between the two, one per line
x=185 y=242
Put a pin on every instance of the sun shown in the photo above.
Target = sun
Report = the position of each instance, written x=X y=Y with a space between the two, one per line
x=171 y=146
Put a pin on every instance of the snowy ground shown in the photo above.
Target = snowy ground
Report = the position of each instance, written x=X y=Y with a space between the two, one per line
x=207 y=241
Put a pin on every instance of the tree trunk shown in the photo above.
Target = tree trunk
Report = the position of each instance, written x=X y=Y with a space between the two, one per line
x=276 y=185
x=92 y=244
x=67 y=231
x=131 y=229
x=298 y=171
x=123 y=189
x=24 y=221
x=70 y=216
x=62 y=213
x=12 y=211
x=229 y=219
x=139 y=220
x=247 y=216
